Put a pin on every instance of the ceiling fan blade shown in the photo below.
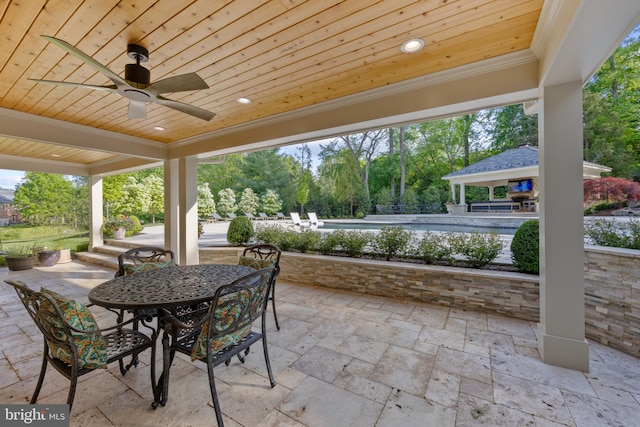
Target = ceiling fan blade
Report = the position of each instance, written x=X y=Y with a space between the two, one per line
x=137 y=110
x=181 y=83
x=111 y=88
x=186 y=108
x=86 y=59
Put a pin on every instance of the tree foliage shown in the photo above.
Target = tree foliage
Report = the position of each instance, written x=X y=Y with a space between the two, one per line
x=271 y=203
x=610 y=189
x=206 y=202
x=227 y=203
x=249 y=201
x=44 y=199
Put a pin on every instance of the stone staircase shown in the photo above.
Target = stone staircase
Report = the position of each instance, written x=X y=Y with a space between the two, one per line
x=106 y=255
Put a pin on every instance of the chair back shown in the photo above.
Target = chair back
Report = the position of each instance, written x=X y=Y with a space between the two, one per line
x=48 y=317
x=295 y=217
x=264 y=251
x=237 y=305
x=155 y=256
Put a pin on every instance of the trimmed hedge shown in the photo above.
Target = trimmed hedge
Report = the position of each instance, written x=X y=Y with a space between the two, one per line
x=525 y=247
x=240 y=230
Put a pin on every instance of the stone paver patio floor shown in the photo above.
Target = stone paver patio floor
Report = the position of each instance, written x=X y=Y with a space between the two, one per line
x=340 y=359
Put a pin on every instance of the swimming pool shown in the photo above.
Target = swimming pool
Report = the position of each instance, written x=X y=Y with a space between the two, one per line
x=507 y=227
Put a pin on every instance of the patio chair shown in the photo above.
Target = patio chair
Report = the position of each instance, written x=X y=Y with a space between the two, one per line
x=313 y=220
x=263 y=216
x=73 y=343
x=297 y=222
x=137 y=260
x=224 y=332
x=231 y=215
x=280 y=215
x=261 y=256
x=250 y=216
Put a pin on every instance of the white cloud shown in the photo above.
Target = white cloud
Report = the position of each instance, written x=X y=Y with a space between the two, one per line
x=10 y=178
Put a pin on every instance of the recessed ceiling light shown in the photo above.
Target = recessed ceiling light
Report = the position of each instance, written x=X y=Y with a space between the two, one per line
x=158 y=128
x=412 y=45
x=243 y=100
x=55 y=155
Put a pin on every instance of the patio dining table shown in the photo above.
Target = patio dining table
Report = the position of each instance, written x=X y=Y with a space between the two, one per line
x=165 y=288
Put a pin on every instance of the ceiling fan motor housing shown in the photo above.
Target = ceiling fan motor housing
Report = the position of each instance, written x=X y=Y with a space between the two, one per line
x=136 y=72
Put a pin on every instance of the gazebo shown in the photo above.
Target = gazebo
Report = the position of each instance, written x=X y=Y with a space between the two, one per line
x=518 y=170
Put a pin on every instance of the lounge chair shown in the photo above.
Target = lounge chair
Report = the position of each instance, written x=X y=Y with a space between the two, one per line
x=297 y=222
x=263 y=216
x=231 y=215
x=215 y=217
x=280 y=215
x=313 y=220
x=250 y=216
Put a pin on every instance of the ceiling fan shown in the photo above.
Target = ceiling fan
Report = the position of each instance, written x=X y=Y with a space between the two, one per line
x=136 y=86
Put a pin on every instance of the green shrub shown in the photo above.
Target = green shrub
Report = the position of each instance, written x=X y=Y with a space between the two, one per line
x=137 y=227
x=525 y=247
x=352 y=242
x=240 y=230
x=435 y=247
x=615 y=234
x=478 y=249
x=268 y=233
x=307 y=240
x=3 y=262
x=359 y=215
x=392 y=240
x=82 y=247
x=286 y=240
x=328 y=243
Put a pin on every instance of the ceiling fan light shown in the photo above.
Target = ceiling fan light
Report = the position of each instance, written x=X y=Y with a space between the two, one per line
x=412 y=45
x=243 y=100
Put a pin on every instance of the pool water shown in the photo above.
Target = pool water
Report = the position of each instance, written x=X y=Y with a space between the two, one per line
x=463 y=228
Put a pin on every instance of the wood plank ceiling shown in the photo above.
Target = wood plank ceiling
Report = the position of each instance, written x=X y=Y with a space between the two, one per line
x=282 y=54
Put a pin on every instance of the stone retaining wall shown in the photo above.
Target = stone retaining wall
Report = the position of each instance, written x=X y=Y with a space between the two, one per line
x=612 y=287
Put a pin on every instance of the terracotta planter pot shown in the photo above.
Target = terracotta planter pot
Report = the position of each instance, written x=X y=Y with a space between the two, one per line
x=20 y=263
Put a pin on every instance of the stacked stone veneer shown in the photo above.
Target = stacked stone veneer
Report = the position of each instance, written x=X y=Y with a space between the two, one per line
x=612 y=287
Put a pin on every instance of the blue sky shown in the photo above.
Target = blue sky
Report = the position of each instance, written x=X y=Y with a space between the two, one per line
x=9 y=178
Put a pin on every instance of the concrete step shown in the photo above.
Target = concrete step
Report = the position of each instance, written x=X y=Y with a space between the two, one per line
x=98 y=258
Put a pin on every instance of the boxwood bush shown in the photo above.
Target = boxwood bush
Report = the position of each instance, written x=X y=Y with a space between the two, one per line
x=240 y=230
x=525 y=247
x=391 y=241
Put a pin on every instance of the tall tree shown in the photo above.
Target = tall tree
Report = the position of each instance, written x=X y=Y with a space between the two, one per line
x=206 y=202
x=44 y=198
x=155 y=188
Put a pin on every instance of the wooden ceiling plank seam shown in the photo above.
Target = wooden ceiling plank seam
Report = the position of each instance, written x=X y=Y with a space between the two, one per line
x=350 y=83
x=49 y=57
x=332 y=67
x=332 y=41
x=16 y=22
x=69 y=116
x=118 y=17
x=22 y=60
x=180 y=96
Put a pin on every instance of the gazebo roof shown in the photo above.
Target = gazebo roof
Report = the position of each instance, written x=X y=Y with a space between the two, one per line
x=515 y=163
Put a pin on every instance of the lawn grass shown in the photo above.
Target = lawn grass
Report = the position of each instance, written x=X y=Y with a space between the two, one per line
x=44 y=236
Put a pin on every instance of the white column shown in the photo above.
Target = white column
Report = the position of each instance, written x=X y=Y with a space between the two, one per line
x=562 y=314
x=462 y=195
x=189 y=210
x=491 y=193
x=172 y=207
x=95 y=212
x=453 y=192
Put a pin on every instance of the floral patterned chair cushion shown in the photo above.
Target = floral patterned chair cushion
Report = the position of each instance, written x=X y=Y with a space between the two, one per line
x=139 y=268
x=256 y=263
x=224 y=317
x=92 y=348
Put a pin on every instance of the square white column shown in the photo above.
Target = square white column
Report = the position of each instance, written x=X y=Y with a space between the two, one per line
x=188 y=182
x=95 y=212
x=561 y=340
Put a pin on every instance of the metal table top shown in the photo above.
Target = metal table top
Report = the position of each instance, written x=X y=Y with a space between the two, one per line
x=166 y=287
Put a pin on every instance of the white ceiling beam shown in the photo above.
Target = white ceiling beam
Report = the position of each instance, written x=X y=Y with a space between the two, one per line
x=16 y=124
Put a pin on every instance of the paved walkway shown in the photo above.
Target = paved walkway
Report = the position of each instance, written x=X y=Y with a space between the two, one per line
x=340 y=359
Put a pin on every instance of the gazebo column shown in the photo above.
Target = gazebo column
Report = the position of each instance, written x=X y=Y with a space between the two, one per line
x=95 y=212
x=181 y=209
x=561 y=338
x=462 y=195
x=453 y=191
x=491 y=194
